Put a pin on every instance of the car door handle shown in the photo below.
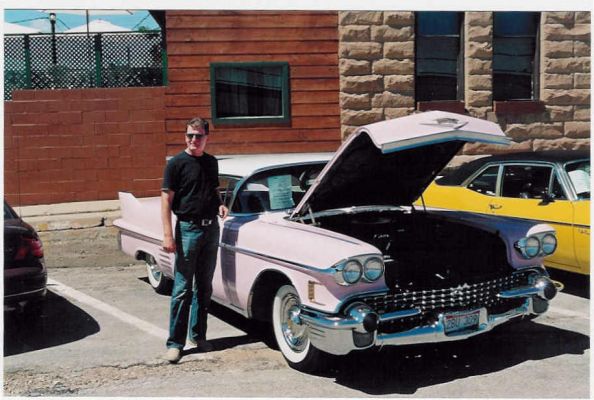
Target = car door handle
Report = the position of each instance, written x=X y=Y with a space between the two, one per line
x=495 y=206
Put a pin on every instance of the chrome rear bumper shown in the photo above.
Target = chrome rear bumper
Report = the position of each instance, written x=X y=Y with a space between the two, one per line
x=357 y=330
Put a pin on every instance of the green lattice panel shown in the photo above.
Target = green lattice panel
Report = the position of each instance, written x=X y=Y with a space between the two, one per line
x=15 y=74
x=131 y=59
x=71 y=60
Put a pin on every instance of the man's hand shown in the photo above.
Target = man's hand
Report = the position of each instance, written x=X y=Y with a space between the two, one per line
x=166 y=200
x=223 y=211
x=169 y=244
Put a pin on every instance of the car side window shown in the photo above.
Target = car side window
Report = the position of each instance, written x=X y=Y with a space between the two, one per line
x=525 y=181
x=486 y=182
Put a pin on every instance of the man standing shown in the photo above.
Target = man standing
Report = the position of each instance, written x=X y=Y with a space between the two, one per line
x=190 y=190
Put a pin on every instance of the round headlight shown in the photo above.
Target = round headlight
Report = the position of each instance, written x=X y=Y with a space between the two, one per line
x=532 y=247
x=549 y=244
x=373 y=269
x=352 y=271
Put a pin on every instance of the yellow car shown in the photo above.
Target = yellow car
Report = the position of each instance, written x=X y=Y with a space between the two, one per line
x=551 y=187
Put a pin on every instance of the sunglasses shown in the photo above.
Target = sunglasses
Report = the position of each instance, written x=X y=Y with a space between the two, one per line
x=196 y=136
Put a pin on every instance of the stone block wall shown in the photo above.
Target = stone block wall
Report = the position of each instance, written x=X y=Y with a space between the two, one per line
x=376 y=58
x=478 y=64
x=377 y=66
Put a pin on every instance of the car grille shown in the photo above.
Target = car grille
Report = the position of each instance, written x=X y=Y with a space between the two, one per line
x=433 y=302
x=467 y=296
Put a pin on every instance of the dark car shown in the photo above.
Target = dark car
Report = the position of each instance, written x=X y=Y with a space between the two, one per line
x=25 y=273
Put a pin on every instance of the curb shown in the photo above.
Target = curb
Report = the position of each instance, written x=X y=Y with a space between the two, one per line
x=66 y=216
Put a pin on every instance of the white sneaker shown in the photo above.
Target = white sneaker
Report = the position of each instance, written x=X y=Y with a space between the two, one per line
x=173 y=355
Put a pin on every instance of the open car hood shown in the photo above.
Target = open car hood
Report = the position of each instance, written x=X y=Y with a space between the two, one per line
x=392 y=162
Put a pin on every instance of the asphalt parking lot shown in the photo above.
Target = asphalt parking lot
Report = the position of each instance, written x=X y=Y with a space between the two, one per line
x=104 y=330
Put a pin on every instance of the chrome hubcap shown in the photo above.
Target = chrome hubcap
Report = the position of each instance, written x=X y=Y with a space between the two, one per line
x=152 y=268
x=294 y=331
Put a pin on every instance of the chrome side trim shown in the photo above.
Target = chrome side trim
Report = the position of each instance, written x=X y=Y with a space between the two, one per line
x=275 y=260
x=10 y=296
x=136 y=235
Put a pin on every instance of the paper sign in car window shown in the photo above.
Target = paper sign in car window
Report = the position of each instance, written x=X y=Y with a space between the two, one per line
x=279 y=188
x=581 y=180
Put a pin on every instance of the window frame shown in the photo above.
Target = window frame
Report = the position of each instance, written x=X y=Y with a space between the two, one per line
x=535 y=73
x=520 y=164
x=460 y=71
x=285 y=118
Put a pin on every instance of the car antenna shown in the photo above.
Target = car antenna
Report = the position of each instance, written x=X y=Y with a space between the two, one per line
x=423 y=202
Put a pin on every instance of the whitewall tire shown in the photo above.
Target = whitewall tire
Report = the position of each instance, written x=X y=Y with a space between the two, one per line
x=157 y=279
x=292 y=336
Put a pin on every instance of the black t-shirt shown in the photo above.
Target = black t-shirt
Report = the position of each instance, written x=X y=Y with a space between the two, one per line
x=194 y=181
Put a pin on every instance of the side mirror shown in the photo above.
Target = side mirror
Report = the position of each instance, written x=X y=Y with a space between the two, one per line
x=546 y=198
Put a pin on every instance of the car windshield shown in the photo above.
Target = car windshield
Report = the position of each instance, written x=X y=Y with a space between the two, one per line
x=579 y=174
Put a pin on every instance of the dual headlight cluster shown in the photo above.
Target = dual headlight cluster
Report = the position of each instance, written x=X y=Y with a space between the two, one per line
x=353 y=270
x=537 y=245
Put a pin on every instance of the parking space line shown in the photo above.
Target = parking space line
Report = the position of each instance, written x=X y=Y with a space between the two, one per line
x=106 y=308
x=569 y=313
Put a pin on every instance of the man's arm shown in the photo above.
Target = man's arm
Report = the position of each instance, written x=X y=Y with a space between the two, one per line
x=166 y=201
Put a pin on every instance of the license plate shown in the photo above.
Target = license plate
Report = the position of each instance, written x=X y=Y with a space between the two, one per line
x=461 y=321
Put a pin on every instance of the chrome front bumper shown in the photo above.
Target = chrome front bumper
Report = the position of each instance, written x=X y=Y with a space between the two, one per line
x=357 y=330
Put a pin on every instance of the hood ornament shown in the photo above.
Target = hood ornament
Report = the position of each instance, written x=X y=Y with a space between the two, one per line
x=447 y=122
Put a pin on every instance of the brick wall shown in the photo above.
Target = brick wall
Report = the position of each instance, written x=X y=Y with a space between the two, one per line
x=83 y=144
x=377 y=64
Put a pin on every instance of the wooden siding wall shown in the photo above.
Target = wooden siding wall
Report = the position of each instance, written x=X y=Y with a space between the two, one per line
x=307 y=40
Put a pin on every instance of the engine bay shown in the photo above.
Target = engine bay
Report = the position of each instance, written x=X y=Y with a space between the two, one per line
x=423 y=250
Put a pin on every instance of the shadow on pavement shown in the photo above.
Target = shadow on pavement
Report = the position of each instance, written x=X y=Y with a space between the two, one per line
x=403 y=370
x=575 y=284
x=60 y=322
x=255 y=331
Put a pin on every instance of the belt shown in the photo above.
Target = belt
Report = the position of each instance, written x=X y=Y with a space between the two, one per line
x=196 y=220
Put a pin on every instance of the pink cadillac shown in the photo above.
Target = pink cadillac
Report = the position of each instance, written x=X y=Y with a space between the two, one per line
x=331 y=251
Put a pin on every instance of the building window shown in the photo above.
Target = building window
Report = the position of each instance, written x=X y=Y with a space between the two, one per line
x=250 y=92
x=439 y=60
x=515 y=55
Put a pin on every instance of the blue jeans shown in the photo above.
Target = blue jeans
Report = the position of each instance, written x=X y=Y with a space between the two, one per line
x=195 y=261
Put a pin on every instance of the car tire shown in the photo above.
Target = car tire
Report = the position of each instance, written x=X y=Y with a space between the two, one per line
x=156 y=277
x=33 y=314
x=292 y=337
